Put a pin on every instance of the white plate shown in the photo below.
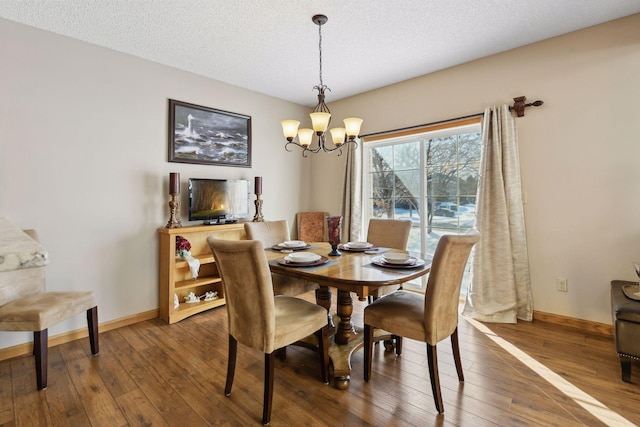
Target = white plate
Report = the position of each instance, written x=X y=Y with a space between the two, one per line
x=293 y=244
x=398 y=258
x=358 y=245
x=302 y=257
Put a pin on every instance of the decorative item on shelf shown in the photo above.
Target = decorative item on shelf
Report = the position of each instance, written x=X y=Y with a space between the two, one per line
x=258 y=190
x=174 y=204
x=176 y=301
x=210 y=295
x=321 y=118
x=183 y=249
x=191 y=298
x=334 y=231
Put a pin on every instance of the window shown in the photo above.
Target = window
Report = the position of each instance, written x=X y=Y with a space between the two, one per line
x=429 y=176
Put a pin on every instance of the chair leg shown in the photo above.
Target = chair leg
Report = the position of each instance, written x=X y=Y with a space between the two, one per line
x=269 y=363
x=40 y=346
x=323 y=348
x=625 y=364
x=368 y=350
x=231 y=364
x=398 y=342
x=456 y=354
x=92 y=322
x=432 y=356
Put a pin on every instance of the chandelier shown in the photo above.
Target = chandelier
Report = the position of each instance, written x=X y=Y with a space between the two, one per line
x=320 y=119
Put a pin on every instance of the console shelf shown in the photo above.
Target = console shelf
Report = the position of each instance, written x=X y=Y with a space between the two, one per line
x=175 y=276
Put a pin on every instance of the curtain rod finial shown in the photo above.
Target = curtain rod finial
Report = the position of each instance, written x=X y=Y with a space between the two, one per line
x=519 y=105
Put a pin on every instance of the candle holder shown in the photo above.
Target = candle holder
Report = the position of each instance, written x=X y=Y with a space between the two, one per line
x=174 y=209
x=258 y=216
x=334 y=231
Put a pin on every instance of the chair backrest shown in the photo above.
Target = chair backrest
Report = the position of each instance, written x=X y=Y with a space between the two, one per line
x=248 y=291
x=389 y=233
x=269 y=233
x=443 y=287
x=16 y=284
x=312 y=226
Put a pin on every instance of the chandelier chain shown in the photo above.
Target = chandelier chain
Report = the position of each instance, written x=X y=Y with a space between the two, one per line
x=320 y=50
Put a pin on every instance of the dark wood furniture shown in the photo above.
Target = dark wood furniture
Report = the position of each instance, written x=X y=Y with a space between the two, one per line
x=626 y=325
x=351 y=272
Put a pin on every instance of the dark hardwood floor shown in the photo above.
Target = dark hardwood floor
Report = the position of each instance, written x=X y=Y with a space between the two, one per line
x=151 y=373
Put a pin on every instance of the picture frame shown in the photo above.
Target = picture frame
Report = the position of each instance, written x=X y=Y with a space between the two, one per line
x=208 y=136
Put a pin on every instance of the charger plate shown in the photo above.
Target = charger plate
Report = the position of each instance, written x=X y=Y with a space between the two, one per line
x=285 y=248
x=379 y=261
x=323 y=260
x=345 y=247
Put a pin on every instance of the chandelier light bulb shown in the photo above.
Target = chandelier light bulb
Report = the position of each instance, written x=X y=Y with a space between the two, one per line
x=352 y=125
x=320 y=122
x=290 y=129
x=305 y=135
x=337 y=134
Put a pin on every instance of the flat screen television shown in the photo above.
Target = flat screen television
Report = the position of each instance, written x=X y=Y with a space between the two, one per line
x=218 y=201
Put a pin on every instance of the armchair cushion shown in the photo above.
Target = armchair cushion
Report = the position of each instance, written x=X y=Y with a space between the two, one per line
x=40 y=311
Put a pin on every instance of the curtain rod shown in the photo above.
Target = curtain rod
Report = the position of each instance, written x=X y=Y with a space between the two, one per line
x=518 y=106
x=422 y=125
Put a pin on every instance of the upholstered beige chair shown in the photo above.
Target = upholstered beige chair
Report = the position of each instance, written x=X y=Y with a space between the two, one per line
x=312 y=226
x=430 y=318
x=270 y=233
x=258 y=319
x=388 y=233
x=26 y=306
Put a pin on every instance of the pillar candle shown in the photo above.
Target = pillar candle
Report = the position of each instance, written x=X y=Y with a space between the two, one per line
x=258 y=185
x=174 y=183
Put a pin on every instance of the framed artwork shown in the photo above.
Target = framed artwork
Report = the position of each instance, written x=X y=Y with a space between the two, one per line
x=206 y=136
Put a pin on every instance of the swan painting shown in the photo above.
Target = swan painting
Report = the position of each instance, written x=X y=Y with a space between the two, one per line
x=208 y=136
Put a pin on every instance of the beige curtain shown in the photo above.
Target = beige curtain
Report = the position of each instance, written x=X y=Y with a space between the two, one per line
x=500 y=289
x=351 y=207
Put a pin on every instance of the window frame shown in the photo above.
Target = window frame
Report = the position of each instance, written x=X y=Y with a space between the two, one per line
x=420 y=134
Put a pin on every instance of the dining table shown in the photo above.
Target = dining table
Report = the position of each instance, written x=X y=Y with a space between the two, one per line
x=356 y=271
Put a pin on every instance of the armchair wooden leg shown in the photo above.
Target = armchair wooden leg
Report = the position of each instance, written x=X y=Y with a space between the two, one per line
x=92 y=322
x=625 y=364
x=269 y=364
x=40 y=346
x=432 y=356
x=231 y=365
x=398 y=340
x=368 y=351
x=456 y=354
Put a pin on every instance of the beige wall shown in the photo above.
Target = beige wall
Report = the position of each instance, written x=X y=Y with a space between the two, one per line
x=83 y=159
x=579 y=152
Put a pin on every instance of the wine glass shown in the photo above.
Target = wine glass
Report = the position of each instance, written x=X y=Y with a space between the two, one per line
x=636 y=265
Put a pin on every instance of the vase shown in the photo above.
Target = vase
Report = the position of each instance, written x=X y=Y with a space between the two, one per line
x=334 y=231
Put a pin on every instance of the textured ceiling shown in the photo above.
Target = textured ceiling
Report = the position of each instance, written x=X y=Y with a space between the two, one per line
x=271 y=46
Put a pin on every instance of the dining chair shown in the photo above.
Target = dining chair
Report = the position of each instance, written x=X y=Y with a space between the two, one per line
x=259 y=320
x=429 y=318
x=312 y=226
x=387 y=233
x=26 y=306
x=270 y=233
